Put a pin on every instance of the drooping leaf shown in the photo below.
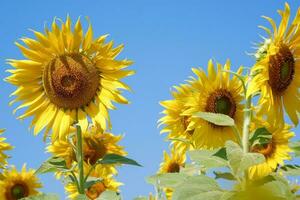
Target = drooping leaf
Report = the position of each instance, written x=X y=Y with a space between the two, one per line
x=207 y=159
x=295 y=146
x=240 y=161
x=290 y=170
x=169 y=180
x=91 y=181
x=224 y=175
x=216 y=118
x=197 y=187
x=42 y=197
x=221 y=153
x=52 y=165
x=261 y=136
x=117 y=159
x=190 y=169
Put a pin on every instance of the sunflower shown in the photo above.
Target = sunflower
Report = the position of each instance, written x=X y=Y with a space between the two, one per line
x=94 y=191
x=277 y=71
x=67 y=76
x=175 y=124
x=96 y=144
x=215 y=93
x=16 y=185
x=275 y=152
x=3 y=147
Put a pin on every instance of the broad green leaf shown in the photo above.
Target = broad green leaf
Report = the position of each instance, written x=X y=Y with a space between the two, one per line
x=52 y=165
x=295 y=146
x=240 y=161
x=91 y=182
x=224 y=175
x=170 y=180
x=290 y=170
x=216 y=118
x=109 y=195
x=81 y=197
x=278 y=190
x=207 y=159
x=221 y=153
x=197 y=187
x=190 y=169
x=117 y=159
x=261 y=136
x=42 y=197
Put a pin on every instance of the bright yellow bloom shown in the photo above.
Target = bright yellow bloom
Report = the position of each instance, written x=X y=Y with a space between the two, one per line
x=175 y=124
x=277 y=72
x=93 y=192
x=96 y=144
x=275 y=152
x=64 y=73
x=16 y=185
x=215 y=93
x=3 y=147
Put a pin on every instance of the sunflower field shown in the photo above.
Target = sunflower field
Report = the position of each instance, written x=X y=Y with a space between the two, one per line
x=228 y=130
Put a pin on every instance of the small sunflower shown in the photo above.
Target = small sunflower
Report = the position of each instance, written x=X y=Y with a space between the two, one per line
x=277 y=71
x=275 y=152
x=94 y=191
x=67 y=75
x=215 y=93
x=175 y=124
x=3 y=147
x=96 y=144
x=15 y=185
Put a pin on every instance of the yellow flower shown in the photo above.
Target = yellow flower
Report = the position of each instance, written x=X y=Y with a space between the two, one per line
x=66 y=74
x=96 y=144
x=16 y=185
x=93 y=192
x=175 y=124
x=275 y=152
x=215 y=93
x=277 y=72
x=3 y=147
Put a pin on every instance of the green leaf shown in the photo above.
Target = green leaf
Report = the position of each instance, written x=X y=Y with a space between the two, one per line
x=109 y=195
x=261 y=136
x=190 y=169
x=197 y=187
x=141 y=198
x=295 y=146
x=221 y=153
x=42 y=197
x=169 y=180
x=216 y=118
x=290 y=170
x=81 y=197
x=224 y=175
x=207 y=159
x=91 y=181
x=240 y=161
x=117 y=159
x=52 y=165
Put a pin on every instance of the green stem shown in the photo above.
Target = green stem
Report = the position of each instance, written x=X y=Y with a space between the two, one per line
x=79 y=156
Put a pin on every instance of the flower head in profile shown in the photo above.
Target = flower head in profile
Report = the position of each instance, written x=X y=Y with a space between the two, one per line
x=67 y=76
x=3 y=147
x=15 y=185
x=215 y=92
x=277 y=71
x=276 y=151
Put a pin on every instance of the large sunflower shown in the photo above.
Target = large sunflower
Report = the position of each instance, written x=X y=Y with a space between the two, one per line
x=275 y=152
x=94 y=191
x=15 y=185
x=175 y=124
x=67 y=75
x=3 y=147
x=215 y=93
x=96 y=144
x=277 y=71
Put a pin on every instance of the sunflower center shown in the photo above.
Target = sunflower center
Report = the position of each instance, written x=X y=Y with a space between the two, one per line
x=265 y=149
x=281 y=69
x=95 y=190
x=93 y=151
x=174 y=168
x=18 y=191
x=222 y=102
x=71 y=81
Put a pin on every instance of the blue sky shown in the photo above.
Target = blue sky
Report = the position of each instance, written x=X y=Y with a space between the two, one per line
x=165 y=39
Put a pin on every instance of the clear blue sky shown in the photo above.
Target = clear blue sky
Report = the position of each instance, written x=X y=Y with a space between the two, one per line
x=165 y=38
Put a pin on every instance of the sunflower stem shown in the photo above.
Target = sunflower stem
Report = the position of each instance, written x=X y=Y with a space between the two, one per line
x=79 y=155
